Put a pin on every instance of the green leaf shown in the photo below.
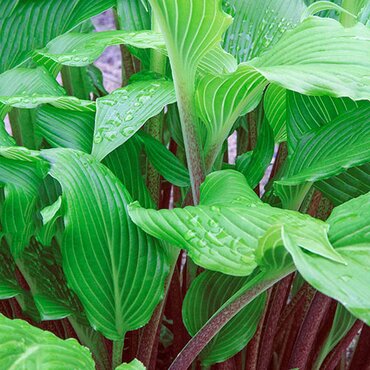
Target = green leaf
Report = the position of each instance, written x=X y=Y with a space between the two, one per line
x=125 y=163
x=190 y=28
x=224 y=237
x=24 y=346
x=207 y=293
x=275 y=105
x=255 y=167
x=82 y=49
x=37 y=22
x=165 y=162
x=221 y=99
x=122 y=113
x=65 y=128
x=28 y=88
x=133 y=365
x=9 y=287
x=118 y=277
x=326 y=152
x=320 y=6
x=320 y=57
x=21 y=181
x=259 y=25
x=308 y=113
x=347 y=283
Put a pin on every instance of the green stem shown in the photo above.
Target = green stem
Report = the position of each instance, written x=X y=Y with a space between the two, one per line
x=117 y=352
x=353 y=6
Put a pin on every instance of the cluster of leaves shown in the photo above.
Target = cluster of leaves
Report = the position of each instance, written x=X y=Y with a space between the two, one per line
x=125 y=222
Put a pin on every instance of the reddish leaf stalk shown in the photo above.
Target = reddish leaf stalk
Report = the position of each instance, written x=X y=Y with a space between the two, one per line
x=334 y=356
x=307 y=335
x=279 y=297
x=361 y=357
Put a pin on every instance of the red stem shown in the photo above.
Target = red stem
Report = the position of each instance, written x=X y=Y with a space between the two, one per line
x=334 y=356
x=307 y=335
x=279 y=297
x=361 y=357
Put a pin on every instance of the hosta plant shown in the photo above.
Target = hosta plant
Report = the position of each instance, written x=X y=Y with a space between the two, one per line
x=213 y=212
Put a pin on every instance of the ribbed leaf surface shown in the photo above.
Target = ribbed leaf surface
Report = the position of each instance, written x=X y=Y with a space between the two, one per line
x=21 y=181
x=191 y=28
x=82 y=49
x=328 y=151
x=275 y=105
x=221 y=99
x=165 y=162
x=349 y=234
x=65 y=128
x=25 y=347
x=38 y=21
x=224 y=237
x=116 y=270
x=258 y=25
x=207 y=293
x=122 y=113
x=28 y=88
x=320 y=57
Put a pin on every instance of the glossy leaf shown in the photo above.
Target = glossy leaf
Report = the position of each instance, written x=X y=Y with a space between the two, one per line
x=221 y=99
x=24 y=346
x=347 y=283
x=65 y=128
x=122 y=113
x=82 y=49
x=259 y=25
x=320 y=57
x=120 y=280
x=21 y=181
x=37 y=22
x=275 y=105
x=28 y=88
x=207 y=293
x=165 y=162
x=224 y=237
x=328 y=151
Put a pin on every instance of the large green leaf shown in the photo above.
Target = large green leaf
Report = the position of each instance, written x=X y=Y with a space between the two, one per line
x=259 y=25
x=275 y=105
x=326 y=152
x=320 y=57
x=26 y=347
x=221 y=99
x=21 y=181
x=348 y=283
x=224 y=237
x=28 y=88
x=65 y=128
x=207 y=293
x=122 y=113
x=308 y=113
x=29 y=25
x=116 y=270
x=82 y=49
x=190 y=28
